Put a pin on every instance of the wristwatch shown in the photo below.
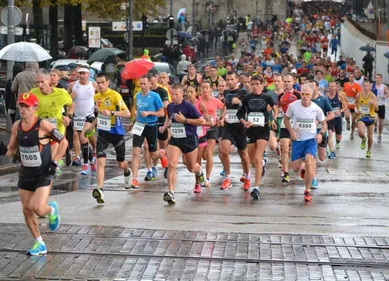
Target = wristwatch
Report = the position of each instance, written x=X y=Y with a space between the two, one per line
x=186 y=121
x=112 y=113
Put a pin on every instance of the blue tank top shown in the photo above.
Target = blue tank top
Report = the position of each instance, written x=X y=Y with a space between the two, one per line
x=335 y=103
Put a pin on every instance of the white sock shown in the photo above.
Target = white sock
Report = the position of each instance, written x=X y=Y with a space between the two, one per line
x=200 y=172
x=40 y=240
x=52 y=212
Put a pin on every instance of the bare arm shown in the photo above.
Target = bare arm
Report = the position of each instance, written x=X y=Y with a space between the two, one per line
x=13 y=142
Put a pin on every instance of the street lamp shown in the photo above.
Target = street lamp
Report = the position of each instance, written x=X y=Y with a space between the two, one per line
x=130 y=40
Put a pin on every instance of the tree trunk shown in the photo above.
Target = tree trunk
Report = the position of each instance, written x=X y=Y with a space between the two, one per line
x=78 y=25
x=37 y=12
x=68 y=28
x=53 y=21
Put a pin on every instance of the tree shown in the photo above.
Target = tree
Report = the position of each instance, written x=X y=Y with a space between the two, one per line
x=106 y=9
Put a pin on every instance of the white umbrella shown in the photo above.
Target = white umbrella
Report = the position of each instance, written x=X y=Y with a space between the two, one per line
x=180 y=12
x=24 y=51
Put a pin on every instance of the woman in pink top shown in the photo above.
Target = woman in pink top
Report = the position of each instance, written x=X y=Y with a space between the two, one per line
x=212 y=104
x=192 y=95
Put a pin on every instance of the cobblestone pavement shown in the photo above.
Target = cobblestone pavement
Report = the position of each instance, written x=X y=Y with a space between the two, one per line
x=112 y=253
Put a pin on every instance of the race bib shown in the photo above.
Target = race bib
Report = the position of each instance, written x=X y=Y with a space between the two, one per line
x=336 y=111
x=231 y=116
x=52 y=121
x=351 y=101
x=306 y=125
x=283 y=124
x=364 y=109
x=30 y=156
x=178 y=130
x=256 y=118
x=138 y=128
x=79 y=123
x=200 y=131
x=104 y=122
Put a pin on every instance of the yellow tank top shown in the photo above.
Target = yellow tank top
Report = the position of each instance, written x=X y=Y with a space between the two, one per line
x=365 y=108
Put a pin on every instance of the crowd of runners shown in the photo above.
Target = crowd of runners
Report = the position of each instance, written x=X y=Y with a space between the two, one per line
x=269 y=99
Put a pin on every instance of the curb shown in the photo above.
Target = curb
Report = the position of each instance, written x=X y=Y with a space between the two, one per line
x=9 y=169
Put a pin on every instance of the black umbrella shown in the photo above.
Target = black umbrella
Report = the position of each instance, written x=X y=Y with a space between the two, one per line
x=103 y=54
x=367 y=48
x=386 y=55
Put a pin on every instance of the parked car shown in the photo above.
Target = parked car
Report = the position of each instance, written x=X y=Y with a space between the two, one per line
x=169 y=69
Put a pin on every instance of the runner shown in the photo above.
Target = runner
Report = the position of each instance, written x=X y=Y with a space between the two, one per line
x=256 y=105
x=304 y=135
x=111 y=108
x=339 y=105
x=382 y=92
x=351 y=89
x=201 y=131
x=149 y=107
x=192 y=78
x=213 y=105
x=82 y=92
x=233 y=132
x=183 y=119
x=162 y=137
x=51 y=105
x=287 y=97
x=366 y=106
x=31 y=136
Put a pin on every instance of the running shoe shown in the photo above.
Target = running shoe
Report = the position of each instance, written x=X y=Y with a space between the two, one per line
x=285 y=177
x=169 y=198
x=98 y=194
x=60 y=164
x=207 y=183
x=127 y=184
x=197 y=188
x=223 y=173
x=93 y=164
x=368 y=154
x=165 y=173
x=363 y=144
x=54 y=219
x=163 y=158
x=227 y=183
x=307 y=196
x=201 y=179
x=379 y=139
x=338 y=145
x=302 y=173
x=77 y=162
x=255 y=193
x=37 y=249
x=247 y=184
x=149 y=176
x=332 y=155
x=243 y=178
x=134 y=184
x=348 y=126
x=155 y=172
x=84 y=169
x=314 y=183
x=351 y=136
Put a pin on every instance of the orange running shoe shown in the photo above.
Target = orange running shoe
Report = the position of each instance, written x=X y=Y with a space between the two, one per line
x=134 y=184
x=227 y=183
x=307 y=196
x=163 y=158
x=247 y=184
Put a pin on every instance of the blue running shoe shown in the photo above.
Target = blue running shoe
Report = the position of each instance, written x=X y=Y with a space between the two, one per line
x=223 y=173
x=37 y=249
x=314 y=184
x=54 y=219
x=255 y=193
x=155 y=172
x=149 y=176
x=332 y=155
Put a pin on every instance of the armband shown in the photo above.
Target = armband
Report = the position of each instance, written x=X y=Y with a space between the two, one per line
x=56 y=135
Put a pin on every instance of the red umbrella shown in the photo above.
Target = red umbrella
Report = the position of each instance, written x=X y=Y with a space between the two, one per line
x=136 y=69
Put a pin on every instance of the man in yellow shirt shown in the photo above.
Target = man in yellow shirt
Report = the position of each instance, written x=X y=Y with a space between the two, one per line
x=111 y=108
x=52 y=102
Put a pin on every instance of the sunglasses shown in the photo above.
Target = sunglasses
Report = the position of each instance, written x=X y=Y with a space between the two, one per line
x=305 y=94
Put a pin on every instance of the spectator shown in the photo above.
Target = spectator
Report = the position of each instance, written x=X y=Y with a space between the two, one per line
x=368 y=65
x=182 y=66
x=25 y=80
x=10 y=96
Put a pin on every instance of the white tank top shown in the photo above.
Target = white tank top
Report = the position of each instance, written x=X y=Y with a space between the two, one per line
x=381 y=94
x=84 y=104
x=360 y=80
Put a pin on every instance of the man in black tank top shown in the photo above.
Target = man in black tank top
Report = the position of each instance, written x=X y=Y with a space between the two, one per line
x=192 y=79
x=33 y=137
